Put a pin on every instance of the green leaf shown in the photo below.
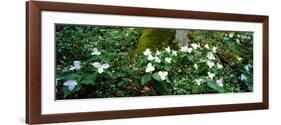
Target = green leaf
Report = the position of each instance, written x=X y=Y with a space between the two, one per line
x=250 y=88
x=195 y=89
x=167 y=67
x=168 y=80
x=66 y=92
x=156 y=77
x=70 y=77
x=77 y=88
x=161 y=87
x=89 y=78
x=109 y=74
x=212 y=84
x=145 y=79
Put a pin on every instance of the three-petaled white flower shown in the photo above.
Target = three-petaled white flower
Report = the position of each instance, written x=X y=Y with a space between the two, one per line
x=211 y=56
x=157 y=53
x=149 y=68
x=195 y=46
x=168 y=49
x=71 y=84
x=186 y=49
x=195 y=66
x=247 y=67
x=95 y=52
x=214 y=49
x=157 y=59
x=239 y=58
x=207 y=46
x=147 y=52
x=150 y=57
x=219 y=66
x=168 y=59
x=210 y=64
x=231 y=35
x=100 y=67
x=220 y=82
x=237 y=41
x=211 y=75
x=243 y=77
x=76 y=65
x=198 y=81
x=174 y=52
x=163 y=74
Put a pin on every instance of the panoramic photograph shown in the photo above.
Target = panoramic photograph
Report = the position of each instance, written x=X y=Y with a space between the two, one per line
x=112 y=61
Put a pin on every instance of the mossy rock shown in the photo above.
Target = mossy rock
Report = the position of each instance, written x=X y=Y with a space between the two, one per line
x=151 y=38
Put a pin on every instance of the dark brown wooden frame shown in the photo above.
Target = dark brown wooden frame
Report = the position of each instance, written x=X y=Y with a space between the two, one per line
x=33 y=61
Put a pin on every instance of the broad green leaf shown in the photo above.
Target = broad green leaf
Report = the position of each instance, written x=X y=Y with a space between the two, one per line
x=145 y=79
x=167 y=67
x=70 y=77
x=161 y=87
x=66 y=92
x=156 y=77
x=195 y=89
x=168 y=80
x=109 y=74
x=89 y=78
x=212 y=84
x=77 y=88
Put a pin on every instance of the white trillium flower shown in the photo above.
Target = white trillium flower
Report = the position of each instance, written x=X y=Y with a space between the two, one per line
x=174 y=52
x=95 y=52
x=198 y=81
x=207 y=46
x=157 y=53
x=157 y=59
x=195 y=66
x=150 y=57
x=239 y=58
x=168 y=59
x=71 y=84
x=237 y=41
x=243 y=77
x=211 y=56
x=195 y=46
x=163 y=75
x=219 y=66
x=220 y=82
x=147 y=52
x=76 y=65
x=186 y=49
x=211 y=75
x=247 y=67
x=168 y=49
x=210 y=64
x=100 y=67
x=149 y=68
x=189 y=50
x=214 y=49
x=231 y=35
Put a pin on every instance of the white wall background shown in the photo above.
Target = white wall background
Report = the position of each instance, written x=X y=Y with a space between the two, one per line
x=12 y=63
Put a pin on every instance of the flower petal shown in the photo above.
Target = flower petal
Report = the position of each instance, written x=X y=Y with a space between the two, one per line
x=72 y=68
x=71 y=87
x=96 y=64
x=105 y=66
x=100 y=70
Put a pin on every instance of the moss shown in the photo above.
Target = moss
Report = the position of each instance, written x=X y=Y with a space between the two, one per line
x=152 y=38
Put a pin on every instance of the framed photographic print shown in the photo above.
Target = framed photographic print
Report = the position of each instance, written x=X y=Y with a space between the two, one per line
x=93 y=62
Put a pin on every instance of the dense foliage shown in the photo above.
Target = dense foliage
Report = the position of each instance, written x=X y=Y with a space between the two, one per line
x=97 y=62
